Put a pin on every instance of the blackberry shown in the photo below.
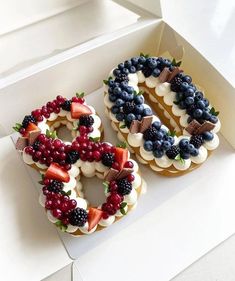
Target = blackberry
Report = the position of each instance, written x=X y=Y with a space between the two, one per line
x=150 y=133
x=147 y=71
x=176 y=83
x=55 y=186
x=121 y=78
x=124 y=187
x=107 y=159
x=128 y=107
x=36 y=145
x=78 y=217
x=86 y=120
x=66 y=105
x=190 y=109
x=173 y=152
x=197 y=140
x=28 y=119
x=72 y=157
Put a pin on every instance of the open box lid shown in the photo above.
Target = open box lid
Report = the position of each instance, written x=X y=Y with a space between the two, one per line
x=33 y=31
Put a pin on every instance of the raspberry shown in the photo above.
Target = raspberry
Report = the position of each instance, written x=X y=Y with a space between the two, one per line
x=173 y=152
x=78 y=217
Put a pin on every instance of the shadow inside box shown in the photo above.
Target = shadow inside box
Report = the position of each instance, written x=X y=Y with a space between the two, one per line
x=26 y=218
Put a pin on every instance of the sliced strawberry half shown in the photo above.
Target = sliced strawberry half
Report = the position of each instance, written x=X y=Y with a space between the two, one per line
x=94 y=216
x=121 y=156
x=78 y=109
x=31 y=127
x=56 y=172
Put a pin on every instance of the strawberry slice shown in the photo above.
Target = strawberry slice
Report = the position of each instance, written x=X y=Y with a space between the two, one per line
x=121 y=156
x=94 y=216
x=78 y=109
x=31 y=127
x=56 y=172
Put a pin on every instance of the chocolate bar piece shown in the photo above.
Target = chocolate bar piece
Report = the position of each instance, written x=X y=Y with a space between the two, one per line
x=21 y=143
x=193 y=127
x=206 y=126
x=111 y=175
x=135 y=126
x=124 y=173
x=175 y=71
x=33 y=136
x=145 y=123
x=163 y=77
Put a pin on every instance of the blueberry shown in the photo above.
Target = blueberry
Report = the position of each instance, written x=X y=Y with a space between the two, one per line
x=120 y=116
x=132 y=69
x=201 y=104
x=157 y=144
x=182 y=105
x=166 y=62
x=189 y=100
x=190 y=148
x=147 y=112
x=184 y=155
x=179 y=96
x=193 y=87
x=135 y=60
x=198 y=96
x=163 y=131
x=213 y=119
x=166 y=145
x=124 y=95
x=139 y=117
x=206 y=102
x=116 y=72
x=157 y=124
x=189 y=92
x=129 y=89
x=139 y=99
x=117 y=91
x=142 y=59
x=194 y=152
x=148 y=145
x=111 y=83
x=119 y=102
x=139 y=66
x=115 y=109
x=130 y=97
x=206 y=115
x=112 y=97
x=128 y=63
x=184 y=86
x=110 y=90
x=158 y=153
x=125 y=70
x=156 y=72
x=121 y=65
x=159 y=135
x=208 y=136
x=170 y=139
x=139 y=108
x=183 y=143
x=124 y=84
x=187 y=79
x=152 y=63
x=130 y=117
x=197 y=113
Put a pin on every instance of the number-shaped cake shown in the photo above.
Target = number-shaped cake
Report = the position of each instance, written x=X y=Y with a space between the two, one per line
x=163 y=117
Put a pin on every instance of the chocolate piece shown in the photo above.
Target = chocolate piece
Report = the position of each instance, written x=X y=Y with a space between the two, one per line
x=124 y=173
x=135 y=126
x=111 y=175
x=175 y=71
x=33 y=135
x=206 y=126
x=21 y=143
x=192 y=127
x=163 y=77
x=145 y=123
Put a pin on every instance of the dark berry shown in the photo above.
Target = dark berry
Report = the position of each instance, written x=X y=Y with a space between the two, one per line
x=148 y=145
x=176 y=84
x=78 y=217
x=121 y=78
x=147 y=71
x=108 y=159
x=197 y=141
x=55 y=186
x=158 y=153
x=36 y=145
x=66 y=105
x=72 y=157
x=150 y=134
x=28 y=119
x=128 y=107
x=208 y=136
x=124 y=186
x=86 y=120
x=173 y=152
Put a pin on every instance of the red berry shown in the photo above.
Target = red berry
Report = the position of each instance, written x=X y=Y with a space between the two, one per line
x=114 y=199
x=96 y=155
x=57 y=213
x=75 y=146
x=46 y=153
x=90 y=129
x=107 y=148
x=82 y=130
x=22 y=131
x=57 y=110
x=130 y=177
x=38 y=154
x=36 y=113
x=46 y=181
x=56 y=203
x=67 y=167
x=57 y=143
x=29 y=150
x=41 y=138
x=48 y=204
x=64 y=206
x=60 y=98
x=109 y=208
x=62 y=156
x=41 y=147
x=39 y=118
x=72 y=204
x=128 y=164
x=105 y=215
x=115 y=166
x=65 y=221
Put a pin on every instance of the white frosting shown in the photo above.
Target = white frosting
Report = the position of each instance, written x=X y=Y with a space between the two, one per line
x=74 y=171
x=100 y=167
x=70 y=185
x=213 y=144
x=169 y=98
x=133 y=78
x=42 y=199
x=107 y=222
x=84 y=229
x=202 y=156
x=53 y=116
x=162 y=89
x=217 y=127
x=88 y=169
x=62 y=113
x=182 y=165
x=27 y=158
x=43 y=127
x=152 y=82
x=184 y=120
x=141 y=77
x=131 y=198
x=119 y=214
x=147 y=155
x=41 y=166
x=71 y=228
x=124 y=130
x=97 y=121
x=164 y=161
x=107 y=102
x=136 y=167
x=51 y=217
x=177 y=111
x=81 y=203
x=135 y=140
x=137 y=181
x=95 y=133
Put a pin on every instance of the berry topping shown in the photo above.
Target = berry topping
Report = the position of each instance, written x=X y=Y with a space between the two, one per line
x=176 y=84
x=66 y=105
x=124 y=186
x=55 y=186
x=78 y=217
x=56 y=172
x=121 y=78
x=28 y=119
x=197 y=141
x=108 y=159
x=151 y=134
x=78 y=109
x=173 y=152
x=121 y=156
x=128 y=107
x=72 y=157
x=86 y=120
x=94 y=216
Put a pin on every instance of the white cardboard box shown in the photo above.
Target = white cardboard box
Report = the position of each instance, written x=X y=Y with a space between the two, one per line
x=181 y=218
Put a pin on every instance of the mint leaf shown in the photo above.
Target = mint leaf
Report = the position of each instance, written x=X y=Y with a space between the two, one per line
x=17 y=127
x=171 y=133
x=138 y=94
x=143 y=55
x=106 y=81
x=61 y=226
x=214 y=112
x=50 y=134
x=122 y=126
x=81 y=95
x=123 y=205
x=122 y=144
x=94 y=139
x=179 y=158
x=175 y=63
x=176 y=102
x=123 y=211
x=106 y=186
